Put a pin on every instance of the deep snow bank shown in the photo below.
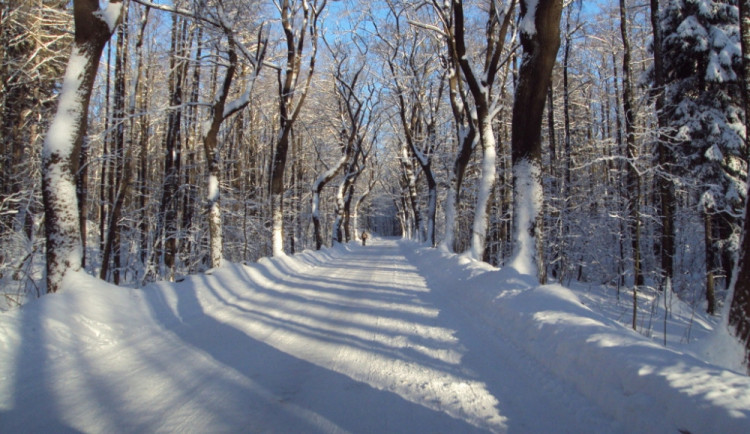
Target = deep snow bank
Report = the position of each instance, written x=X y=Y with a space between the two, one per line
x=648 y=387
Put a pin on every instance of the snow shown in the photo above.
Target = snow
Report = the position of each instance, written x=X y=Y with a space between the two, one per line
x=391 y=337
x=111 y=14
x=528 y=205
x=479 y=228
x=528 y=22
x=714 y=153
x=691 y=29
x=450 y=218
x=213 y=188
x=61 y=135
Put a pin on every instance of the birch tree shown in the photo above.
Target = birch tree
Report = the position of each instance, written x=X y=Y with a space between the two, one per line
x=62 y=145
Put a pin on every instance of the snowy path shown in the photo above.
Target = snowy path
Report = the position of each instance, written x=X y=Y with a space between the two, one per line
x=356 y=343
x=386 y=338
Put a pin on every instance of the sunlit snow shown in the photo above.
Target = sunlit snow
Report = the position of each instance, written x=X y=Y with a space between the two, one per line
x=391 y=337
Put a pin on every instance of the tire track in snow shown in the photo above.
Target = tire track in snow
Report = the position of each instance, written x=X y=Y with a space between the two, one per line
x=370 y=315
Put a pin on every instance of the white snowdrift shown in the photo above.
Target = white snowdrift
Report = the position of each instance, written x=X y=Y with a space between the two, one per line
x=647 y=387
x=266 y=348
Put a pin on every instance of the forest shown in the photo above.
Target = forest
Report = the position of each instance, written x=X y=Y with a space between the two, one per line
x=601 y=142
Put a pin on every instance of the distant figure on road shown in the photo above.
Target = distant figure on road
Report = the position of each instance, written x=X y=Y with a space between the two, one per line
x=364 y=238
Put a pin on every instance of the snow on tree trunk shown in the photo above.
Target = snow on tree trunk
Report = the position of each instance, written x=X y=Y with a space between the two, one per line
x=467 y=137
x=540 y=43
x=449 y=238
x=277 y=224
x=360 y=200
x=315 y=211
x=62 y=145
x=337 y=232
x=484 y=108
x=527 y=206
x=479 y=227
x=318 y=188
x=214 y=221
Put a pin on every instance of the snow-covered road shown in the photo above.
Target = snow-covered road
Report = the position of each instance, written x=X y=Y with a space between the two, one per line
x=345 y=340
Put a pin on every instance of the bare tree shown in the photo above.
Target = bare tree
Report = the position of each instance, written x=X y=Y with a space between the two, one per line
x=419 y=84
x=633 y=181
x=540 y=38
x=62 y=146
x=220 y=111
x=665 y=188
x=480 y=84
x=291 y=97
x=128 y=172
x=354 y=111
x=34 y=41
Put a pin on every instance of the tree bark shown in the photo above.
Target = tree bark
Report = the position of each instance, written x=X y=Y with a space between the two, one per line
x=212 y=159
x=120 y=175
x=665 y=188
x=480 y=88
x=318 y=188
x=62 y=146
x=289 y=107
x=633 y=180
x=739 y=308
x=467 y=137
x=165 y=244
x=540 y=39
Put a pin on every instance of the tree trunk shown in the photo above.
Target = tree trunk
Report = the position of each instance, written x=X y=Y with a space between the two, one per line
x=665 y=189
x=291 y=100
x=481 y=91
x=466 y=132
x=431 y=206
x=540 y=38
x=62 y=146
x=480 y=84
x=633 y=181
x=277 y=193
x=210 y=142
x=486 y=184
x=318 y=188
x=114 y=226
x=711 y=261
x=411 y=185
x=166 y=231
x=739 y=309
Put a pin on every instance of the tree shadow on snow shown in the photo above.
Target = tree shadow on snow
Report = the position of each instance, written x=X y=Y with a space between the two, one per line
x=284 y=393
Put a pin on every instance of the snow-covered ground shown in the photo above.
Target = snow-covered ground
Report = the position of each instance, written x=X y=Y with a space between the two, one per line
x=391 y=337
